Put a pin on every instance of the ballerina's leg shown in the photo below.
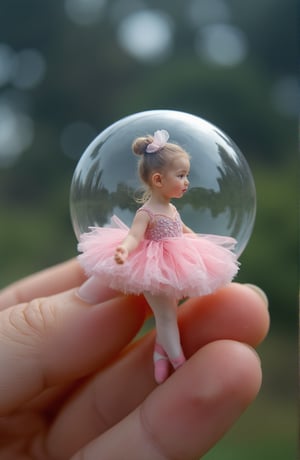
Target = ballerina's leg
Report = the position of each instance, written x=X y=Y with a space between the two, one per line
x=167 y=333
x=94 y=291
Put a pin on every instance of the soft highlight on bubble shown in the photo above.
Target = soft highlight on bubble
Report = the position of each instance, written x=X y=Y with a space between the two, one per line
x=221 y=199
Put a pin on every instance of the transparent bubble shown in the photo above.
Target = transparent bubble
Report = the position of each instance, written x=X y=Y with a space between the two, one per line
x=221 y=198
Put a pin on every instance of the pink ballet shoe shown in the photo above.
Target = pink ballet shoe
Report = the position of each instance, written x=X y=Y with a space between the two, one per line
x=161 y=364
x=177 y=362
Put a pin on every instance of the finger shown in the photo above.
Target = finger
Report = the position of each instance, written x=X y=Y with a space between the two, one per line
x=58 y=339
x=183 y=420
x=101 y=403
x=50 y=281
x=237 y=312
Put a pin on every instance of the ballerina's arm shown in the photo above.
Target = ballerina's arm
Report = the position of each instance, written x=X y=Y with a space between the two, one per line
x=133 y=238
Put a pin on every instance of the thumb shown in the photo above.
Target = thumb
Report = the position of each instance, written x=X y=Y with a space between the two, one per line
x=58 y=339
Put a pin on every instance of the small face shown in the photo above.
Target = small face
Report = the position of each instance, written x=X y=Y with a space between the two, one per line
x=175 y=181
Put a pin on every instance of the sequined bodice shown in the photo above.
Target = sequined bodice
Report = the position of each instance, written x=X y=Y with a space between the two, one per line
x=162 y=226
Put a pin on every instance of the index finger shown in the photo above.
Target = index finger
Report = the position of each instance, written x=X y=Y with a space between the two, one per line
x=53 y=280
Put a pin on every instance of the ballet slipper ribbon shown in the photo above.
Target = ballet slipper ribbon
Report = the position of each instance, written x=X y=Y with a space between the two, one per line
x=160 y=139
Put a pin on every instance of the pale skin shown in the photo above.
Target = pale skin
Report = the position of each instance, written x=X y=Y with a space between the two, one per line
x=71 y=389
x=164 y=185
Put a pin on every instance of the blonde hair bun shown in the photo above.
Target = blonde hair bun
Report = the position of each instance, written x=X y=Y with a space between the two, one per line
x=140 y=144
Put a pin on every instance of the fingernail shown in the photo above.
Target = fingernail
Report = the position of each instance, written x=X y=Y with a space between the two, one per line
x=84 y=297
x=260 y=292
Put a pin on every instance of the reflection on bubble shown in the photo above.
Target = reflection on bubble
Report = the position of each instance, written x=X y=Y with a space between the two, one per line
x=146 y=35
x=221 y=197
x=222 y=44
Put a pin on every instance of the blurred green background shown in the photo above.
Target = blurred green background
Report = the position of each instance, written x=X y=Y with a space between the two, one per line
x=70 y=68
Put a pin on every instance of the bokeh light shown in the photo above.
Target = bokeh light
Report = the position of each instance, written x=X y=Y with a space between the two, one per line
x=285 y=96
x=75 y=137
x=7 y=63
x=120 y=9
x=202 y=12
x=146 y=35
x=16 y=134
x=29 y=69
x=84 y=12
x=222 y=44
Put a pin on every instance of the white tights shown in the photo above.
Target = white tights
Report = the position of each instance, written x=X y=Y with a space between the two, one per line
x=93 y=290
x=165 y=313
x=164 y=309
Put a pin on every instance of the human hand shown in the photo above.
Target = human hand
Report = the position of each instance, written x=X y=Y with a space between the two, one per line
x=72 y=385
x=121 y=254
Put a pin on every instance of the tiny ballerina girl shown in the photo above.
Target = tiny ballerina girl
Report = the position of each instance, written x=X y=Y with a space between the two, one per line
x=159 y=255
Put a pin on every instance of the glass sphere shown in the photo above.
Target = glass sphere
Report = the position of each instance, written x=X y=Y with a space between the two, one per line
x=221 y=197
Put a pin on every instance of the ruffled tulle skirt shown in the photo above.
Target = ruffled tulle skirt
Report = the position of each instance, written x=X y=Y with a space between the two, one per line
x=186 y=266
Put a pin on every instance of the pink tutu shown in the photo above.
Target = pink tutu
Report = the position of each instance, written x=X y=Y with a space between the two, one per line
x=188 y=265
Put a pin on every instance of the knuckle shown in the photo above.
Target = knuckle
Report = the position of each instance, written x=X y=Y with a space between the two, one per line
x=33 y=318
x=153 y=438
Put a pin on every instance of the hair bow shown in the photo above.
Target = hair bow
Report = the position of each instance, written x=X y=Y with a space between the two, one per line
x=160 y=139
